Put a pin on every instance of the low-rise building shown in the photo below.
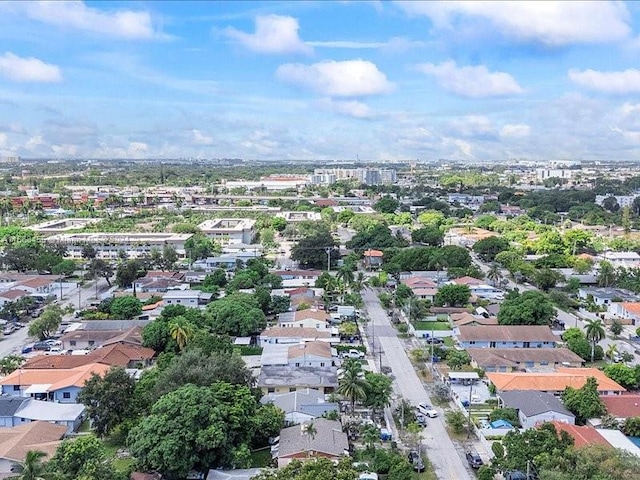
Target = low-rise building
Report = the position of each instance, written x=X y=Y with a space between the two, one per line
x=295 y=335
x=622 y=406
x=301 y=406
x=506 y=336
x=519 y=359
x=309 y=318
x=554 y=382
x=228 y=231
x=187 y=298
x=15 y=442
x=535 y=408
x=328 y=441
x=278 y=379
x=109 y=245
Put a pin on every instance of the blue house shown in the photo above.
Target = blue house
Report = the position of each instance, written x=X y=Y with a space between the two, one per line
x=506 y=336
x=15 y=411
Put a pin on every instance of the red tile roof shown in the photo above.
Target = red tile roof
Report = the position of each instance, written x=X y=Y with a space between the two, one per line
x=582 y=436
x=622 y=406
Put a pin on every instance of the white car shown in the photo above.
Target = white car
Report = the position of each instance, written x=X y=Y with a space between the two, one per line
x=427 y=410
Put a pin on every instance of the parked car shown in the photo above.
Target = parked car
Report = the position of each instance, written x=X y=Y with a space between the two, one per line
x=41 y=346
x=516 y=475
x=8 y=329
x=26 y=349
x=433 y=341
x=421 y=420
x=416 y=461
x=353 y=353
x=474 y=460
x=427 y=410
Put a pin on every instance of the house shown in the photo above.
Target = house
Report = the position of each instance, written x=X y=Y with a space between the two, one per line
x=39 y=285
x=307 y=354
x=468 y=281
x=15 y=442
x=238 y=474
x=536 y=407
x=226 y=262
x=159 y=282
x=227 y=231
x=117 y=354
x=303 y=216
x=582 y=435
x=465 y=318
x=284 y=379
x=622 y=406
x=514 y=359
x=12 y=295
x=301 y=406
x=621 y=259
x=605 y=297
x=373 y=258
x=554 y=382
x=479 y=288
x=628 y=311
x=187 y=298
x=309 y=318
x=328 y=441
x=298 y=278
x=506 y=336
x=81 y=339
x=69 y=415
x=54 y=385
x=295 y=335
x=422 y=287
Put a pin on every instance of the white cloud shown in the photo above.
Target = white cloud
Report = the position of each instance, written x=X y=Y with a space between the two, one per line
x=126 y=24
x=350 y=78
x=200 y=138
x=29 y=69
x=350 y=108
x=518 y=130
x=472 y=126
x=550 y=23
x=619 y=83
x=395 y=44
x=274 y=34
x=475 y=82
x=3 y=139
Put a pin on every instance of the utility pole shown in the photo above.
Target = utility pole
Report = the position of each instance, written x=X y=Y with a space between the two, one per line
x=328 y=251
x=469 y=415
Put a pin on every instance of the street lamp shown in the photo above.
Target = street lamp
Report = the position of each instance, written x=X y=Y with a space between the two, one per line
x=328 y=251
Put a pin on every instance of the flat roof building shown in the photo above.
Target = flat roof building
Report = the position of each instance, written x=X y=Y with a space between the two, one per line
x=228 y=231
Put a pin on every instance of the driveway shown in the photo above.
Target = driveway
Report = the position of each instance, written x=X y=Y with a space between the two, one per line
x=442 y=453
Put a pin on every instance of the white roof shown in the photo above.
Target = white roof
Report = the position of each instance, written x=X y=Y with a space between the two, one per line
x=242 y=341
x=50 y=411
x=617 y=439
x=463 y=375
x=38 y=388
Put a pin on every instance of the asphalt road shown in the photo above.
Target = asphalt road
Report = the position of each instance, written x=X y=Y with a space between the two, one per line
x=442 y=453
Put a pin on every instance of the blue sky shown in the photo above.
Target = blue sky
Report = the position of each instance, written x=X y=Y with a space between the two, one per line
x=321 y=80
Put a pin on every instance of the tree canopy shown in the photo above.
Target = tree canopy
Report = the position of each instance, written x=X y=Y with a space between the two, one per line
x=528 y=308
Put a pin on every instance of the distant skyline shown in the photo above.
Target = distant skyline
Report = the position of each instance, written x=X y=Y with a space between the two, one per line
x=378 y=80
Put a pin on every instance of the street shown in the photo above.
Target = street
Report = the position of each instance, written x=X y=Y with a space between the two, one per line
x=440 y=449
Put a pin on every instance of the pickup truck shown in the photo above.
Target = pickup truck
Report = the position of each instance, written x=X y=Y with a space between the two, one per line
x=353 y=353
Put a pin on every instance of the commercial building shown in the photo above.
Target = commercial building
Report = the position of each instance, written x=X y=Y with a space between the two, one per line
x=108 y=245
x=229 y=231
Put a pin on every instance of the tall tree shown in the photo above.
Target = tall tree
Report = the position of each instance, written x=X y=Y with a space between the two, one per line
x=493 y=274
x=109 y=399
x=529 y=308
x=584 y=402
x=595 y=333
x=33 y=467
x=352 y=384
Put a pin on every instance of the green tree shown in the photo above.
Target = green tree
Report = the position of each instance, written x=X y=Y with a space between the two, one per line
x=489 y=247
x=310 y=251
x=33 y=467
x=606 y=274
x=195 y=427
x=494 y=274
x=181 y=331
x=616 y=328
x=125 y=308
x=352 y=383
x=453 y=295
x=237 y=314
x=44 y=326
x=528 y=308
x=80 y=459
x=456 y=359
x=377 y=390
x=386 y=204
x=431 y=217
x=591 y=462
x=456 y=420
x=508 y=414
x=109 y=399
x=65 y=268
x=624 y=375
x=546 y=279
x=169 y=257
x=631 y=427
x=101 y=268
x=594 y=331
x=429 y=235
x=128 y=271
x=319 y=469
x=10 y=363
x=584 y=402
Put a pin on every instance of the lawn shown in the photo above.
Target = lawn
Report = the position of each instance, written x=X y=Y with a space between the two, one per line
x=432 y=326
x=261 y=458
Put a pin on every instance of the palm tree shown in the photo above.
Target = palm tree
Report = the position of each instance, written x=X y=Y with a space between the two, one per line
x=494 y=274
x=352 y=383
x=346 y=275
x=612 y=349
x=32 y=468
x=595 y=332
x=358 y=283
x=310 y=430
x=181 y=331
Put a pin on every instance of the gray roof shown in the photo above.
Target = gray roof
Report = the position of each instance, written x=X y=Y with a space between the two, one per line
x=328 y=439
x=112 y=324
x=533 y=403
x=10 y=405
x=308 y=401
x=50 y=411
x=245 y=474
x=301 y=377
